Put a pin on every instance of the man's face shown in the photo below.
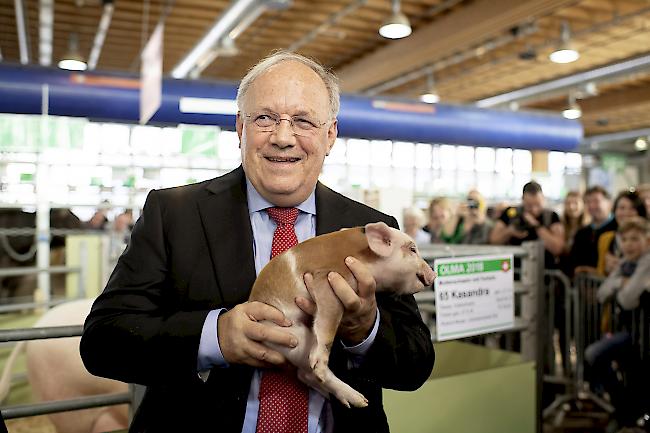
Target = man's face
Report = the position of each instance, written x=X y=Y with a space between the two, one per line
x=633 y=244
x=533 y=204
x=598 y=206
x=284 y=167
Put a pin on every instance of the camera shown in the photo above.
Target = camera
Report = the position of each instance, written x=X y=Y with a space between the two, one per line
x=472 y=204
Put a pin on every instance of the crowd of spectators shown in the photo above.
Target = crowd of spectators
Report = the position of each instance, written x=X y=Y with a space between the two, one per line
x=593 y=235
x=580 y=239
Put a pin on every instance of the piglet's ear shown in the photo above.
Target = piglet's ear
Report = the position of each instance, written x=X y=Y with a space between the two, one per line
x=380 y=239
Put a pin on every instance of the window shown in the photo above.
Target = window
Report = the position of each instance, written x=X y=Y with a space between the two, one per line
x=358 y=152
x=522 y=161
x=573 y=162
x=465 y=158
x=556 y=162
x=403 y=154
x=484 y=159
x=423 y=152
x=114 y=138
x=337 y=154
x=503 y=161
x=435 y=156
x=447 y=157
x=380 y=153
x=229 y=154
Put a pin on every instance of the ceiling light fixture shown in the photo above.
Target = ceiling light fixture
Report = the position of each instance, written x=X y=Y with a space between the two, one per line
x=565 y=53
x=397 y=26
x=207 y=105
x=430 y=96
x=573 y=110
x=73 y=60
x=641 y=144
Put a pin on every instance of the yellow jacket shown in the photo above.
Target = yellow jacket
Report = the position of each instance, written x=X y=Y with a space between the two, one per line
x=604 y=242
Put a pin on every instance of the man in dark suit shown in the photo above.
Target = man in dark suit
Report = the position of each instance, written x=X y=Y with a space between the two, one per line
x=175 y=317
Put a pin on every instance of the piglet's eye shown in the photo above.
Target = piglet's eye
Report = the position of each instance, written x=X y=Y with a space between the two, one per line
x=413 y=249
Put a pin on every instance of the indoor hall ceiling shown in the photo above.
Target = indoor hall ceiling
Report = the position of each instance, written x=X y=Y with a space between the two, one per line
x=475 y=48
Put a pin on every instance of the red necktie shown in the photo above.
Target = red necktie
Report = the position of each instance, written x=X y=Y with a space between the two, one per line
x=284 y=400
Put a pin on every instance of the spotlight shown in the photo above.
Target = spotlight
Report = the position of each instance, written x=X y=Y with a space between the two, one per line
x=397 y=26
x=565 y=52
x=573 y=110
x=430 y=96
x=73 y=60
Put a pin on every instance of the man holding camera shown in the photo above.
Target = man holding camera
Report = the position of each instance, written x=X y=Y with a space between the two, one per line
x=530 y=221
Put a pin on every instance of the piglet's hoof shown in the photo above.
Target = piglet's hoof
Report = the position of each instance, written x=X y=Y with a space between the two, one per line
x=352 y=398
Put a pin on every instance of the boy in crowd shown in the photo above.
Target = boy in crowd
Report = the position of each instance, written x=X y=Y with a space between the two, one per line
x=632 y=277
x=614 y=356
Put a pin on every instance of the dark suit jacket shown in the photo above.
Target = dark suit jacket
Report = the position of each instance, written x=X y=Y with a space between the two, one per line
x=191 y=252
x=584 y=251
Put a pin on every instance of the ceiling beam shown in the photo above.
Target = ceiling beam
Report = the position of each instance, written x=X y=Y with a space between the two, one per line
x=455 y=32
x=615 y=100
x=562 y=85
x=21 y=30
x=45 y=30
x=616 y=136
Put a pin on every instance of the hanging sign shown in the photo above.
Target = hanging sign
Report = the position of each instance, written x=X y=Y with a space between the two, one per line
x=151 y=74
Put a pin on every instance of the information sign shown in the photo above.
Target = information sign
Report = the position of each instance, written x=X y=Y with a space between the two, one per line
x=474 y=295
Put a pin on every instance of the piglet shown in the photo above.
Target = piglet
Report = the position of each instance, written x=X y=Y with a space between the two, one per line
x=391 y=256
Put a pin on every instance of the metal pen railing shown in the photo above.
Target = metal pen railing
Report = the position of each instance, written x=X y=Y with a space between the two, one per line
x=26 y=334
x=33 y=409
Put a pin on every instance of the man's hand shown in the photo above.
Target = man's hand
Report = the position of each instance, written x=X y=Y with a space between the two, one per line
x=530 y=220
x=359 y=309
x=241 y=336
x=514 y=232
x=583 y=269
x=463 y=210
x=611 y=262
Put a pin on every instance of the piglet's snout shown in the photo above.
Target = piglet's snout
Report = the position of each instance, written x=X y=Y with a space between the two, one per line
x=427 y=274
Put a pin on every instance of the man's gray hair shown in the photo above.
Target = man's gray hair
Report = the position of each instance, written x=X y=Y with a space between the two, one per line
x=329 y=79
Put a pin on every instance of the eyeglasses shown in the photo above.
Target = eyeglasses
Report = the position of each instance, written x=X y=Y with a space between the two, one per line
x=300 y=125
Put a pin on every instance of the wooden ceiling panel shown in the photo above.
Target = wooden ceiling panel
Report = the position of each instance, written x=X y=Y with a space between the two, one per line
x=474 y=46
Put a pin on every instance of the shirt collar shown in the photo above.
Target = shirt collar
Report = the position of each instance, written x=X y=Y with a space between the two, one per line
x=603 y=224
x=257 y=203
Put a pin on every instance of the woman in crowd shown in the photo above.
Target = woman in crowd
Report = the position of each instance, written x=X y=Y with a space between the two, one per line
x=628 y=204
x=443 y=227
x=644 y=192
x=413 y=220
x=573 y=219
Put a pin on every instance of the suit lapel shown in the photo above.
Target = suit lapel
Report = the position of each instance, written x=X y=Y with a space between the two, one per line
x=228 y=232
x=332 y=214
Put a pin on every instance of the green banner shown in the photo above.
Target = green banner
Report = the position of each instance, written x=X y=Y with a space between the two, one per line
x=473 y=267
x=26 y=133
x=199 y=140
x=613 y=162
